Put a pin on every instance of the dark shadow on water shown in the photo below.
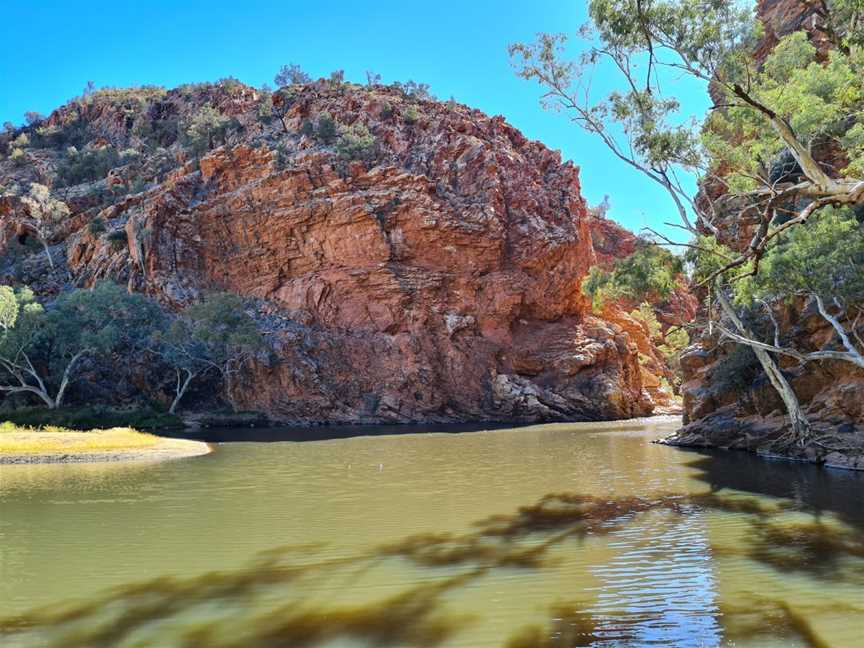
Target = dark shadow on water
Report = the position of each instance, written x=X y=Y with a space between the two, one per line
x=811 y=488
x=266 y=603
x=327 y=432
x=569 y=627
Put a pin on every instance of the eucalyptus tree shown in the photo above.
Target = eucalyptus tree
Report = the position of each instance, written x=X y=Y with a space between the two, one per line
x=43 y=348
x=42 y=213
x=788 y=104
x=214 y=336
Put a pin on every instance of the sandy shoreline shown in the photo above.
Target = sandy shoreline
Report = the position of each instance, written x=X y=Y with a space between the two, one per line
x=166 y=449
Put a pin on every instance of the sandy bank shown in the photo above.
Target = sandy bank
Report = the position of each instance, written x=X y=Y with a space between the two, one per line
x=54 y=445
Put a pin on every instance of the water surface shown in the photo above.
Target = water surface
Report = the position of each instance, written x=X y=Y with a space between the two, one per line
x=552 y=535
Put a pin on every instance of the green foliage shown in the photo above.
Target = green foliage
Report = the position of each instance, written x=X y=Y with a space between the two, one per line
x=45 y=211
x=12 y=304
x=96 y=226
x=117 y=238
x=221 y=328
x=213 y=336
x=826 y=258
x=708 y=256
x=52 y=342
x=413 y=90
x=645 y=314
x=88 y=417
x=291 y=75
x=264 y=110
x=104 y=319
x=644 y=118
x=712 y=36
x=674 y=342
x=108 y=326
x=18 y=157
x=639 y=123
x=411 y=115
x=157 y=131
x=670 y=344
x=651 y=273
x=818 y=101
x=206 y=129
x=134 y=96
x=87 y=165
x=326 y=128
x=231 y=85
x=356 y=143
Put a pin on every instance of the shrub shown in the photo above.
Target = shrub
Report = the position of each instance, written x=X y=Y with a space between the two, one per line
x=282 y=156
x=326 y=129
x=231 y=85
x=337 y=78
x=411 y=115
x=290 y=75
x=96 y=226
x=356 y=143
x=650 y=273
x=117 y=238
x=307 y=128
x=18 y=157
x=414 y=90
x=823 y=258
x=645 y=314
x=86 y=166
x=674 y=342
x=33 y=117
x=265 y=108
x=206 y=129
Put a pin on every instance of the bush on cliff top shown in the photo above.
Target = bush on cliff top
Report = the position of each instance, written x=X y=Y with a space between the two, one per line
x=206 y=129
x=356 y=143
x=88 y=165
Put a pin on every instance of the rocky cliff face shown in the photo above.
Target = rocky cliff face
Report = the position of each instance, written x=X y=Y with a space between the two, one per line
x=728 y=401
x=436 y=279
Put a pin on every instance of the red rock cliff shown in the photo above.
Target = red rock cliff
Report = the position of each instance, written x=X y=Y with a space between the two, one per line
x=439 y=281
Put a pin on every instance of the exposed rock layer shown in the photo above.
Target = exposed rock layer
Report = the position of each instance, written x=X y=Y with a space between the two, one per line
x=437 y=281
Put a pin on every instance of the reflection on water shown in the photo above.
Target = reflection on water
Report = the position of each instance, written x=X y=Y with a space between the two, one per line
x=558 y=535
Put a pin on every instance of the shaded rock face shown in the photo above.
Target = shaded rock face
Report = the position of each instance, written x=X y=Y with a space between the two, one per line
x=744 y=411
x=437 y=281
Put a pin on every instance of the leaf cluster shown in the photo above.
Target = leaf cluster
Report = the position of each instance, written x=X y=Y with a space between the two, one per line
x=650 y=273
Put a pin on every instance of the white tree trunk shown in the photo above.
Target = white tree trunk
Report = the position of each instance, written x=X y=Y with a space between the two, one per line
x=798 y=420
x=180 y=389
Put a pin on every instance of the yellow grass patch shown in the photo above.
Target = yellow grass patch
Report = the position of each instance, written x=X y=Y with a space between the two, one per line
x=15 y=440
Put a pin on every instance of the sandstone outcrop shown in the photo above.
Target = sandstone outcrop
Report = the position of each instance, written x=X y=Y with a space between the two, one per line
x=436 y=279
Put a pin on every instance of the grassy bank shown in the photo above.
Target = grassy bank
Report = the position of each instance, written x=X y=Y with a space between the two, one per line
x=19 y=444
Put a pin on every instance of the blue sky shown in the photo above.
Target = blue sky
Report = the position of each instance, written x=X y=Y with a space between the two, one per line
x=51 y=49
